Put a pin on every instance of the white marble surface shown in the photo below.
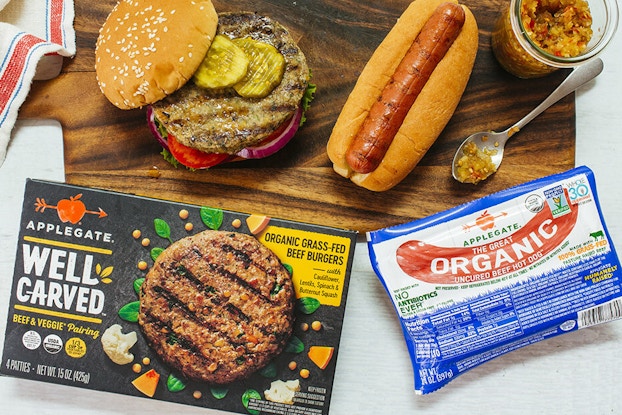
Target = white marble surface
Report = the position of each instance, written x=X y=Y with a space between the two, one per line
x=572 y=374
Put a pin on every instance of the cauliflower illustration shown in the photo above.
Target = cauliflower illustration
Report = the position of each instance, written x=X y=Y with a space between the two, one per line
x=117 y=345
x=282 y=392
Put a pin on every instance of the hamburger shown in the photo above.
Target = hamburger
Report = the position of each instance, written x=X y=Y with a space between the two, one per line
x=217 y=87
x=217 y=306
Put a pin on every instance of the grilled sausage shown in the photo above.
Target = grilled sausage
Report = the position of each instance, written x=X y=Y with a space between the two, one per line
x=387 y=114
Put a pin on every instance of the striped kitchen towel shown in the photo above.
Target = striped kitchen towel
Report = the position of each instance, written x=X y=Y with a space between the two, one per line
x=29 y=31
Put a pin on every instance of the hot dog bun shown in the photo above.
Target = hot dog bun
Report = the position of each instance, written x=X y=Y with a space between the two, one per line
x=428 y=115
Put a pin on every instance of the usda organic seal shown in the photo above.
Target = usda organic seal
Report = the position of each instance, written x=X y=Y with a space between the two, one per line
x=52 y=344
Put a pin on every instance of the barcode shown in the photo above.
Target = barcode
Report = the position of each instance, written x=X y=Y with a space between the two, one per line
x=600 y=314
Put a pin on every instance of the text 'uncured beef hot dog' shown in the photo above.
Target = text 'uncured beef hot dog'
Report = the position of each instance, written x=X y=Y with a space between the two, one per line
x=405 y=95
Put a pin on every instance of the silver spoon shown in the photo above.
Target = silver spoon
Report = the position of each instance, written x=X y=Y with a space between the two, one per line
x=492 y=143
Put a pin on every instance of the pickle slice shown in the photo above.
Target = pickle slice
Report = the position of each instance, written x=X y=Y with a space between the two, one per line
x=224 y=65
x=265 y=70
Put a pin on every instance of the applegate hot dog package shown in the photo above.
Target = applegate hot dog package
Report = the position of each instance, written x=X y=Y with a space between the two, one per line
x=499 y=273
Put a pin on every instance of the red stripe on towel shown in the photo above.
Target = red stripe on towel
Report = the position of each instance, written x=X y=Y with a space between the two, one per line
x=16 y=65
x=56 y=22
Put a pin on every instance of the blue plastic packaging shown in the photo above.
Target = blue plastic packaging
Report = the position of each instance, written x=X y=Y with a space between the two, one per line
x=499 y=273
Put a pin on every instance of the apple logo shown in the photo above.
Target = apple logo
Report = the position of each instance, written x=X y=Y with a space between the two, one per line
x=485 y=221
x=71 y=210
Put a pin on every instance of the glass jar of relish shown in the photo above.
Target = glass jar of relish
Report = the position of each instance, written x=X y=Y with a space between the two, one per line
x=533 y=38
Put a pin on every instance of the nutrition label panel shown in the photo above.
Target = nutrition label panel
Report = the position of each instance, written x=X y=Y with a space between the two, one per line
x=469 y=326
x=507 y=314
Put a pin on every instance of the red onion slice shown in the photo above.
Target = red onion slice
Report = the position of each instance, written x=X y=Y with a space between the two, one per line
x=154 y=128
x=277 y=143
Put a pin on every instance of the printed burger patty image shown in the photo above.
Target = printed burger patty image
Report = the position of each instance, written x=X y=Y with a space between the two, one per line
x=217 y=306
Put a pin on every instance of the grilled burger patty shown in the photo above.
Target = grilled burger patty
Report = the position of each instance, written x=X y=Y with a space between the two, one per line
x=222 y=121
x=217 y=306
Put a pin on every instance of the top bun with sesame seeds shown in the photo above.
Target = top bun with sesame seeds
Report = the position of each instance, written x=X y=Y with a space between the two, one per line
x=141 y=54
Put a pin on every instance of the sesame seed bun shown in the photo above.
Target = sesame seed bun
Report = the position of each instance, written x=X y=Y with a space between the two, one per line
x=148 y=49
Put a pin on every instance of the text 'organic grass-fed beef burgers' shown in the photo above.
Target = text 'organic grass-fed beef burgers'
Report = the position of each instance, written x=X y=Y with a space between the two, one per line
x=218 y=87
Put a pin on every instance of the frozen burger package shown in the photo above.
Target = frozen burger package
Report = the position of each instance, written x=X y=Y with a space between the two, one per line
x=168 y=301
x=499 y=273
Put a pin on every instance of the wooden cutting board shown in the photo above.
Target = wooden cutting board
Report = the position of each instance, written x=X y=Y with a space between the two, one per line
x=112 y=149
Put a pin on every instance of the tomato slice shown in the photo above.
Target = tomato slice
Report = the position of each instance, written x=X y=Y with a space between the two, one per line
x=193 y=158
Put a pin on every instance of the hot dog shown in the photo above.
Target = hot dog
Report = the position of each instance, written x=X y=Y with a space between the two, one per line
x=405 y=95
x=387 y=114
